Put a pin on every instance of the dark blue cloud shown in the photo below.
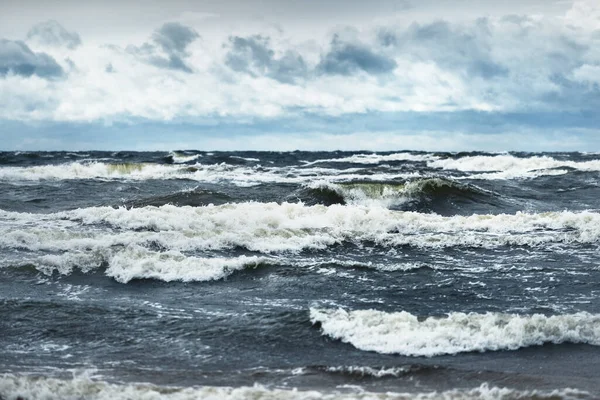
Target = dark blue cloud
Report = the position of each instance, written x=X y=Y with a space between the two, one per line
x=254 y=56
x=347 y=58
x=17 y=58
x=51 y=33
x=174 y=38
x=168 y=49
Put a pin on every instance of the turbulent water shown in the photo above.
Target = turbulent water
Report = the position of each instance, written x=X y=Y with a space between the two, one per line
x=299 y=275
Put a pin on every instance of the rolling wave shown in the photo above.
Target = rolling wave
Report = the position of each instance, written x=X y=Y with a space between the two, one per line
x=137 y=262
x=403 y=333
x=25 y=387
x=393 y=194
x=287 y=227
x=510 y=167
x=240 y=175
x=178 y=157
x=375 y=158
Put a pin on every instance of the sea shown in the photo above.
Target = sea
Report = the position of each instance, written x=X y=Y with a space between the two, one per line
x=299 y=275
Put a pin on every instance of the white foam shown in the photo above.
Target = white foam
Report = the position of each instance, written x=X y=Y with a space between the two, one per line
x=370 y=371
x=377 y=158
x=136 y=262
x=403 y=333
x=508 y=167
x=286 y=227
x=252 y=159
x=83 y=387
x=211 y=173
x=89 y=170
x=179 y=158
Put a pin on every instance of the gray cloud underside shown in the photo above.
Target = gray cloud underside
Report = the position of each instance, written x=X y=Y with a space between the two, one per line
x=51 y=33
x=17 y=58
x=514 y=57
x=168 y=49
x=253 y=55
x=347 y=58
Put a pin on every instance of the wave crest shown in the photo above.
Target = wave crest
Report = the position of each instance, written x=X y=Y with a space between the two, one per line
x=403 y=333
x=509 y=167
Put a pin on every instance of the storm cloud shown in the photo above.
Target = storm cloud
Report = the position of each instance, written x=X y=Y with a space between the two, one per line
x=18 y=59
x=254 y=56
x=168 y=48
x=346 y=58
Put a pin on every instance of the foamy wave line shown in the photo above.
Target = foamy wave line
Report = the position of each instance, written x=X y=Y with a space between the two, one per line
x=179 y=157
x=213 y=173
x=286 y=227
x=377 y=158
x=14 y=387
x=136 y=262
x=370 y=371
x=508 y=166
x=403 y=333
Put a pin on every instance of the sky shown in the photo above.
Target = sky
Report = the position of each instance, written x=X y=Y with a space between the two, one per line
x=300 y=75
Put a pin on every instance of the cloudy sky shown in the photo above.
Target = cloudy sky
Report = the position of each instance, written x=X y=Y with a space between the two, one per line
x=304 y=74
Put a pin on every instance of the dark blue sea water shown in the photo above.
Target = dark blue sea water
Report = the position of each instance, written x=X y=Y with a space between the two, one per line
x=299 y=275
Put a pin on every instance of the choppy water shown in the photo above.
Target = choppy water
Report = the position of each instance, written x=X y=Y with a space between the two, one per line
x=343 y=275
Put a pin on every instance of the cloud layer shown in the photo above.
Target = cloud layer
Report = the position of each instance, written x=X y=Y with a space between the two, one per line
x=182 y=73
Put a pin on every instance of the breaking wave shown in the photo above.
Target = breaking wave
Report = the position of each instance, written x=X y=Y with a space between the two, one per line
x=14 y=387
x=136 y=262
x=377 y=158
x=510 y=167
x=178 y=157
x=403 y=333
x=240 y=175
x=391 y=194
x=286 y=227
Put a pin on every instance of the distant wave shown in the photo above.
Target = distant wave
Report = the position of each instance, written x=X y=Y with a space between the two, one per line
x=83 y=386
x=239 y=175
x=90 y=170
x=510 y=167
x=403 y=333
x=182 y=157
x=374 y=158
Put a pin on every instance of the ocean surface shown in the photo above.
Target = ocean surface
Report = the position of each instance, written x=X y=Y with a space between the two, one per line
x=299 y=275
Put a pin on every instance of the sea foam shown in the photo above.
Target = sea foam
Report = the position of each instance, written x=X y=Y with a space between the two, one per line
x=287 y=227
x=508 y=166
x=14 y=387
x=405 y=334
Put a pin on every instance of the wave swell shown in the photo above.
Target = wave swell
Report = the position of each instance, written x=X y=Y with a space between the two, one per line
x=510 y=167
x=403 y=333
x=287 y=227
x=393 y=194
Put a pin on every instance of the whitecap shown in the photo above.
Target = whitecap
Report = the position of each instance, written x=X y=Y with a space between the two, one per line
x=404 y=333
